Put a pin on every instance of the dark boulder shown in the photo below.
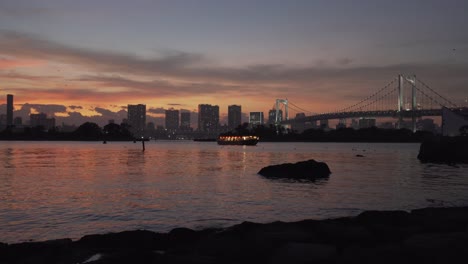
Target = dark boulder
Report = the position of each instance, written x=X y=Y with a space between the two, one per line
x=309 y=169
x=390 y=218
x=444 y=150
x=51 y=251
x=139 y=239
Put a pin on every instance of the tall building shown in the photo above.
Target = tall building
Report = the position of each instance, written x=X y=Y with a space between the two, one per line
x=272 y=116
x=256 y=118
x=185 y=120
x=234 y=116
x=208 y=117
x=9 y=110
x=137 y=119
x=172 y=119
x=41 y=120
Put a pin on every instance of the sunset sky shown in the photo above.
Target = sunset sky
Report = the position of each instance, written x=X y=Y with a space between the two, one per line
x=86 y=60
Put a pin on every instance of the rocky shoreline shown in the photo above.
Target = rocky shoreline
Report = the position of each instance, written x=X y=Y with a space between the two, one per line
x=429 y=235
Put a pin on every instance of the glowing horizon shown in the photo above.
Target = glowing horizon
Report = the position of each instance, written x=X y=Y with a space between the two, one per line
x=86 y=59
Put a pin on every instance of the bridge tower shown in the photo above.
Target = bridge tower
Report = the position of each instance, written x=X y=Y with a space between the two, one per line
x=401 y=100
x=277 y=108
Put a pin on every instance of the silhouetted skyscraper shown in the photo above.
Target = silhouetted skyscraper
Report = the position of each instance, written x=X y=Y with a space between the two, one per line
x=272 y=116
x=137 y=119
x=9 y=110
x=185 y=120
x=256 y=118
x=234 y=116
x=172 y=119
x=208 y=117
x=41 y=120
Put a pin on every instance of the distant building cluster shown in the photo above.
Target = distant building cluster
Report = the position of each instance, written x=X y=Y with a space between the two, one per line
x=178 y=124
x=38 y=120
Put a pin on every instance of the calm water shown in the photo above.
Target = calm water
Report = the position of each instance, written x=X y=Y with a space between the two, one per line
x=69 y=189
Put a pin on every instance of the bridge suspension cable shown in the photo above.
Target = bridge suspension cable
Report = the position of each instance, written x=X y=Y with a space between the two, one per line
x=449 y=103
x=352 y=107
x=397 y=101
x=300 y=109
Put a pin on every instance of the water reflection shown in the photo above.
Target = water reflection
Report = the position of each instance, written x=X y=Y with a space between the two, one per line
x=68 y=189
x=135 y=162
x=8 y=158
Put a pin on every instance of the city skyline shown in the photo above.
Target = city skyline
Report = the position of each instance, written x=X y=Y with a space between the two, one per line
x=25 y=112
x=87 y=62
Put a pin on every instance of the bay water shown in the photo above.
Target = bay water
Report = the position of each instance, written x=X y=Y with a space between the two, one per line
x=51 y=190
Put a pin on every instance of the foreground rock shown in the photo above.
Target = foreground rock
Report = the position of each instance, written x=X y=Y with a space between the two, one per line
x=309 y=170
x=444 y=150
x=430 y=235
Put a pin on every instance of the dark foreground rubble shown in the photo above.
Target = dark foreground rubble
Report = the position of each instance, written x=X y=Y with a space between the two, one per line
x=429 y=235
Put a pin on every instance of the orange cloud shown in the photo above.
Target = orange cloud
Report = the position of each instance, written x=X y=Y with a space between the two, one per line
x=9 y=64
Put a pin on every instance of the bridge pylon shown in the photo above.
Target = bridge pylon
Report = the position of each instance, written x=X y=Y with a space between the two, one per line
x=277 y=108
x=401 y=99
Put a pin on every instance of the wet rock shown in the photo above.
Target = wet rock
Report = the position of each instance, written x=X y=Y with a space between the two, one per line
x=393 y=234
x=3 y=248
x=303 y=253
x=309 y=169
x=51 y=251
x=437 y=247
x=394 y=218
x=341 y=234
x=182 y=235
x=444 y=150
x=429 y=235
x=432 y=219
x=373 y=254
x=127 y=239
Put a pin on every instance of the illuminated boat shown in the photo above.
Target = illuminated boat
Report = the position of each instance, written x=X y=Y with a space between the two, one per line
x=238 y=140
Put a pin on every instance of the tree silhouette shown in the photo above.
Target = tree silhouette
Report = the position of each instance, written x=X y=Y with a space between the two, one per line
x=464 y=130
x=117 y=132
x=88 y=131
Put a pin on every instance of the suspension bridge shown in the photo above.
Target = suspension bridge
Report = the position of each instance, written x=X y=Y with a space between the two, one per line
x=402 y=98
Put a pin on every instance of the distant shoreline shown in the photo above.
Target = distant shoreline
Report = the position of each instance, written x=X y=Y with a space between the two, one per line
x=211 y=141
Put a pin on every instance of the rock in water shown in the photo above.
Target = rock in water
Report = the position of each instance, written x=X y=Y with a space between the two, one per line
x=444 y=150
x=309 y=169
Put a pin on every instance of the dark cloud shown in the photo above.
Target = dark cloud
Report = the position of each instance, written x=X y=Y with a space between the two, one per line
x=26 y=45
x=103 y=117
x=74 y=107
x=104 y=112
x=15 y=76
x=162 y=88
x=49 y=109
x=344 y=61
x=158 y=110
x=69 y=118
x=323 y=83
